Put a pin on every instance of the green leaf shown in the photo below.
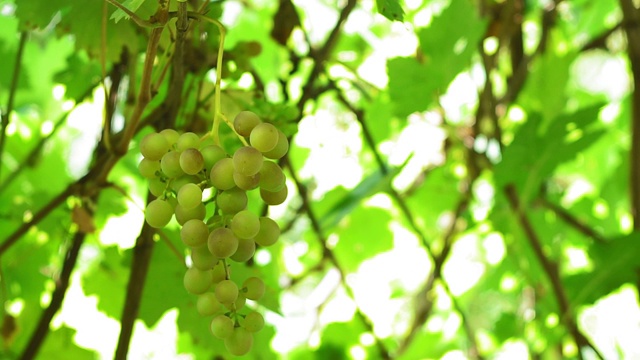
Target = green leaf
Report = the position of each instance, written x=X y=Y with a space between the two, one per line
x=391 y=9
x=106 y=279
x=59 y=345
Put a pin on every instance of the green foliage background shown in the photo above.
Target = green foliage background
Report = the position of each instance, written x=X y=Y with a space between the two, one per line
x=490 y=206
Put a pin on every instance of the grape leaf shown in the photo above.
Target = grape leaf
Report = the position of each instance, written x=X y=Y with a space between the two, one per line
x=391 y=9
x=59 y=345
x=107 y=277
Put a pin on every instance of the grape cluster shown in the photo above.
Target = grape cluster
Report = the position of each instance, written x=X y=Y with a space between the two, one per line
x=179 y=167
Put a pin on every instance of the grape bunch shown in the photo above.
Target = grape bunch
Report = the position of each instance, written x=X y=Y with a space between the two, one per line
x=179 y=168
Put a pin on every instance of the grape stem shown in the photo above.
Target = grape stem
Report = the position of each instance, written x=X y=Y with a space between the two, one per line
x=227 y=276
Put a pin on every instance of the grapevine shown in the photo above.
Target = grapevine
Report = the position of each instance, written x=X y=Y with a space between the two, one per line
x=188 y=173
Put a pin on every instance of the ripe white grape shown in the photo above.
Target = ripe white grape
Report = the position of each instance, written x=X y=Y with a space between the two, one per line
x=247 y=160
x=170 y=164
x=208 y=305
x=274 y=198
x=264 y=137
x=253 y=288
x=271 y=177
x=202 y=259
x=226 y=291
x=194 y=233
x=221 y=174
x=211 y=155
x=189 y=196
x=158 y=213
x=153 y=146
x=222 y=243
x=197 y=281
x=183 y=215
x=269 y=232
x=231 y=201
x=253 y=322
x=280 y=149
x=246 y=182
x=157 y=187
x=246 y=249
x=191 y=161
x=171 y=136
x=222 y=326
x=148 y=168
x=244 y=122
x=240 y=342
x=187 y=140
x=245 y=224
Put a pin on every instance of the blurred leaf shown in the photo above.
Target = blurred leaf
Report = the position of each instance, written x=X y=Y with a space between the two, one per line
x=107 y=279
x=391 y=9
x=59 y=345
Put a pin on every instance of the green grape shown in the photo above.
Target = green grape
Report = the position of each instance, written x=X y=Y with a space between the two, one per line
x=183 y=215
x=222 y=174
x=246 y=249
x=247 y=160
x=238 y=304
x=240 y=342
x=246 y=182
x=280 y=149
x=170 y=164
x=222 y=243
x=153 y=146
x=231 y=201
x=158 y=213
x=202 y=259
x=188 y=140
x=191 y=161
x=212 y=154
x=264 y=137
x=274 y=198
x=215 y=221
x=208 y=305
x=194 y=233
x=171 y=136
x=253 y=288
x=189 y=196
x=219 y=272
x=148 y=168
x=245 y=224
x=222 y=326
x=226 y=291
x=271 y=177
x=157 y=186
x=269 y=232
x=245 y=121
x=197 y=281
x=253 y=322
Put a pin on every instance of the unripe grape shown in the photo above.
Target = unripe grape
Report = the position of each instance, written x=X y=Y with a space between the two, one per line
x=208 y=305
x=247 y=160
x=170 y=164
x=189 y=196
x=280 y=149
x=221 y=174
x=179 y=182
x=222 y=326
x=148 y=168
x=171 y=136
x=253 y=322
x=222 y=243
x=238 y=304
x=245 y=121
x=269 y=232
x=197 y=281
x=153 y=146
x=253 y=288
x=271 y=177
x=246 y=249
x=212 y=154
x=246 y=182
x=231 y=201
x=245 y=224
x=183 y=215
x=264 y=137
x=158 y=213
x=191 y=161
x=240 y=342
x=188 y=140
x=219 y=272
x=274 y=198
x=157 y=187
x=202 y=259
x=226 y=291
x=194 y=233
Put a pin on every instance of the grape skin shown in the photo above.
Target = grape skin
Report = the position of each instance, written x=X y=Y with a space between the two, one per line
x=222 y=327
x=158 y=213
x=245 y=121
x=271 y=177
x=222 y=243
x=253 y=288
x=189 y=196
x=264 y=137
x=247 y=160
x=246 y=249
x=245 y=224
x=231 y=201
x=197 y=281
x=207 y=304
x=253 y=322
x=280 y=149
x=240 y=342
x=269 y=232
x=194 y=233
x=221 y=174
x=202 y=259
x=153 y=146
x=170 y=164
x=274 y=198
x=226 y=291
x=191 y=161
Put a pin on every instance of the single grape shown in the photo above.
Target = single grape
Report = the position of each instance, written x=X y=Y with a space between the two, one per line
x=170 y=164
x=269 y=232
x=158 y=213
x=222 y=326
x=264 y=137
x=157 y=186
x=271 y=177
x=247 y=160
x=226 y=291
x=246 y=249
x=253 y=288
x=253 y=322
x=274 y=198
x=202 y=259
x=231 y=201
x=183 y=215
x=171 y=136
x=238 y=304
x=153 y=146
x=222 y=243
x=179 y=182
x=197 y=281
x=222 y=174
x=240 y=342
x=280 y=149
x=208 y=305
x=245 y=121
x=148 y=168
x=245 y=224
x=194 y=233
x=212 y=154
x=246 y=182
x=191 y=161
x=189 y=196
x=188 y=140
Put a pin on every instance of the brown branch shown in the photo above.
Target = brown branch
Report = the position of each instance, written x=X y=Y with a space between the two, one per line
x=631 y=24
x=551 y=270
x=42 y=328
x=571 y=220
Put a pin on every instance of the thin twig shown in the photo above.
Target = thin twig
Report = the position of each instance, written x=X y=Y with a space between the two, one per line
x=574 y=222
